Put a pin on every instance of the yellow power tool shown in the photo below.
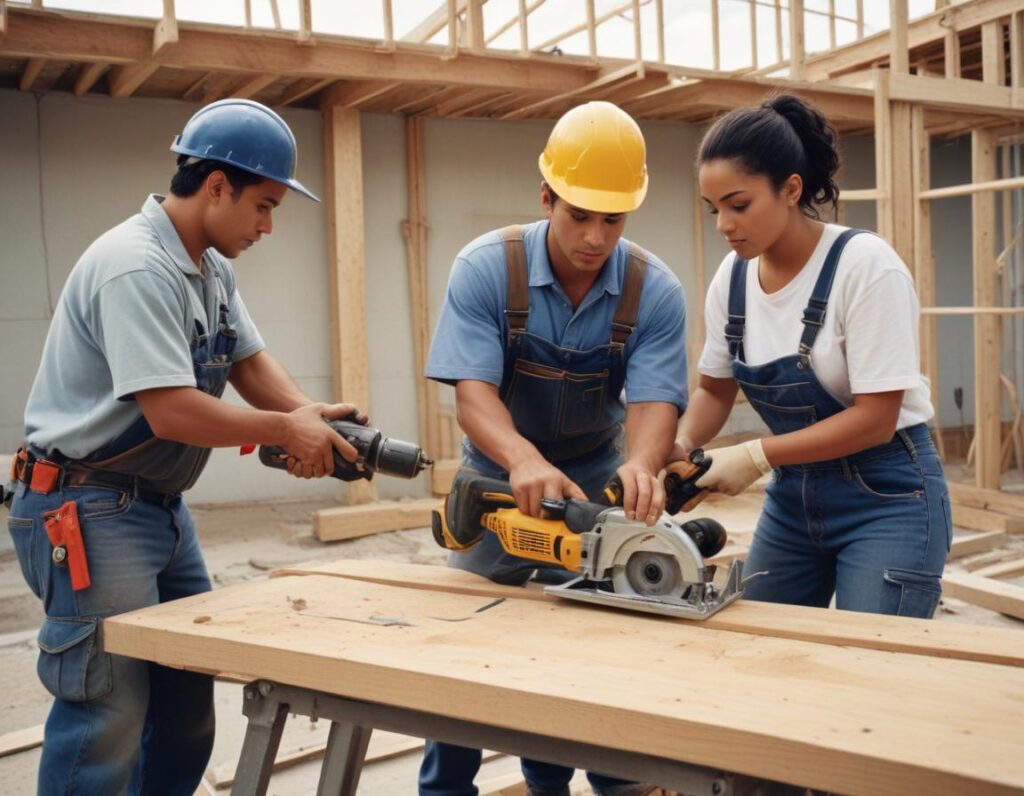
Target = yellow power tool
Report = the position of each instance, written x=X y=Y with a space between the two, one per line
x=620 y=562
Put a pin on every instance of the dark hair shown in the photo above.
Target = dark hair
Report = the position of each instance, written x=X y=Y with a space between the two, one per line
x=782 y=136
x=551 y=191
x=192 y=173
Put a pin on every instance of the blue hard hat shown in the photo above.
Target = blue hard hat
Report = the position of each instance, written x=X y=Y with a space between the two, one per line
x=245 y=134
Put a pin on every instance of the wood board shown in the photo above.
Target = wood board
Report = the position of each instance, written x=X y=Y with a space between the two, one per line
x=842 y=628
x=843 y=719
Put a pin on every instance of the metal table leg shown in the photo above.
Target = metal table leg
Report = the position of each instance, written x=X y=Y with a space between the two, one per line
x=266 y=714
x=343 y=759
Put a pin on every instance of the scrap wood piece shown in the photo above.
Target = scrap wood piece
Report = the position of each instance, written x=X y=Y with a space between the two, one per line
x=965 y=545
x=1002 y=569
x=384 y=745
x=822 y=715
x=21 y=740
x=989 y=499
x=989 y=559
x=892 y=633
x=983 y=520
x=1005 y=598
x=349 y=522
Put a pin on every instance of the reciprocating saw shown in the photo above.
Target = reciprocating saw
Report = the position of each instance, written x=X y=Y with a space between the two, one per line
x=377 y=454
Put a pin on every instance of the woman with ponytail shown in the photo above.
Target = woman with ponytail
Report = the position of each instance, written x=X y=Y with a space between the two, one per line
x=818 y=325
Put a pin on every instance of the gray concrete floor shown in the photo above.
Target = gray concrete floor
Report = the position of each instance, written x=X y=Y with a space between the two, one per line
x=242 y=542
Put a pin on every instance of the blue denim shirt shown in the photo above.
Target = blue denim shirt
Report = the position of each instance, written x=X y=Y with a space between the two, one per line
x=469 y=342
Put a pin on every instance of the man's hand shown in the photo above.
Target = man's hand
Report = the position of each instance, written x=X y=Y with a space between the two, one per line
x=643 y=496
x=536 y=478
x=735 y=468
x=311 y=442
x=681 y=450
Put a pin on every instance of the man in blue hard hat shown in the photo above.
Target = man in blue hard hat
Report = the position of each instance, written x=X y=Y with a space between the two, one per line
x=120 y=421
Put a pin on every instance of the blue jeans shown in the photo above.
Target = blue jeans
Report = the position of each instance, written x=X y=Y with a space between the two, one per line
x=449 y=770
x=874 y=529
x=116 y=723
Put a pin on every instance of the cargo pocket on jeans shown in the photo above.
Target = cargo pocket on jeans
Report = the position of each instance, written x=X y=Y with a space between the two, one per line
x=71 y=665
x=919 y=591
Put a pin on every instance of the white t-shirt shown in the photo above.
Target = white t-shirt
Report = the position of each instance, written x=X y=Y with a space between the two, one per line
x=869 y=340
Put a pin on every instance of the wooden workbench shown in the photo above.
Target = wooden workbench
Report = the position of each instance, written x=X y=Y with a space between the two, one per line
x=851 y=703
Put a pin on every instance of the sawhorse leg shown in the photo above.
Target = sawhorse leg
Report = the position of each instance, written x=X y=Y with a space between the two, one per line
x=266 y=716
x=343 y=759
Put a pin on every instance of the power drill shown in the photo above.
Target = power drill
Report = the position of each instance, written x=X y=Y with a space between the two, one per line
x=377 y=454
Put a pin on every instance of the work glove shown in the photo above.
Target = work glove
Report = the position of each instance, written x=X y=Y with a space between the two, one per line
x=735 y=468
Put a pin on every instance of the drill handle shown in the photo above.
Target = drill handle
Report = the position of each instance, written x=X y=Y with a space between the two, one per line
x=364 y=439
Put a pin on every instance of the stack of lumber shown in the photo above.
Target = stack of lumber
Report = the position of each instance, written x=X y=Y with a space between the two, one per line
x=836 y=700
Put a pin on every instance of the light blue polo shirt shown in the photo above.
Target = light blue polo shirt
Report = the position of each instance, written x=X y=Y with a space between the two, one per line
x=469 y=342
x=124 y=324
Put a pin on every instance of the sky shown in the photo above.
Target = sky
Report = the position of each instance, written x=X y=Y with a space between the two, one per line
x=687 y=23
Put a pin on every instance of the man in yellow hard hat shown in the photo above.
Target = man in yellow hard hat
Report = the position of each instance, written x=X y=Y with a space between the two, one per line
x=542 y=328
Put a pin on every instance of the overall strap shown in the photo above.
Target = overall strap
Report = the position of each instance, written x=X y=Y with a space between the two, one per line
x=624 y=321
x=735 y=326
x=517 y=305
x=814 y=313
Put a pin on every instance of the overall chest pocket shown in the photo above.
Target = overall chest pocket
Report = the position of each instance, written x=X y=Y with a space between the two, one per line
x=783 y=419
x=548 y=403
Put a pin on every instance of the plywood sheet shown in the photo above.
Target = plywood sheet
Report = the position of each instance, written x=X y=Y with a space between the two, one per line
x=842 y=719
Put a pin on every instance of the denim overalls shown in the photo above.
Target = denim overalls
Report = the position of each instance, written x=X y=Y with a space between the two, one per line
x=873 y=528
x=142 y=549
x=559 y=399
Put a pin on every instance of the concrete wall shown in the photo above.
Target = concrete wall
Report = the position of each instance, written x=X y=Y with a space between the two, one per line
x=73 y=167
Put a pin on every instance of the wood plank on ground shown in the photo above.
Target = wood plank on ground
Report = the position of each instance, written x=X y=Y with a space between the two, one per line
x=847 y=720
x=982 y=520
x=21 y=740
x=894 y=633
x=992 y=594
x=965 y=545
x=1011 y=503
x=1002 y=569
x=349 y=522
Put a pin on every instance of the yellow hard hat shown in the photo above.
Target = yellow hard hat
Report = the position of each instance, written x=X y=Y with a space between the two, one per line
x=595 y=159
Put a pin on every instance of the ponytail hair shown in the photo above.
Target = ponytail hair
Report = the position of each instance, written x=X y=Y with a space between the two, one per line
x=782 y=136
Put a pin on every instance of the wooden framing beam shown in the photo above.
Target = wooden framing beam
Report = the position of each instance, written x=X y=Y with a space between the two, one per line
x=414 y=230
x=343 y=168
x=350 y=522
x=1008 y=184
x=305 y=35
x=899 y=53
x=355 y=94
x=475 y=24
x=3 y=18
x=925 y=30
x=976 y=543
x=253 y=86
x=67 y=37
x=968 y=96
x=797 y=47
x=303 y=88
x=433 y=23
x=86 y=78
x=951 y=53
x=924 y=260
x=30 y=73
x=125 y=79
x=166 y=31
